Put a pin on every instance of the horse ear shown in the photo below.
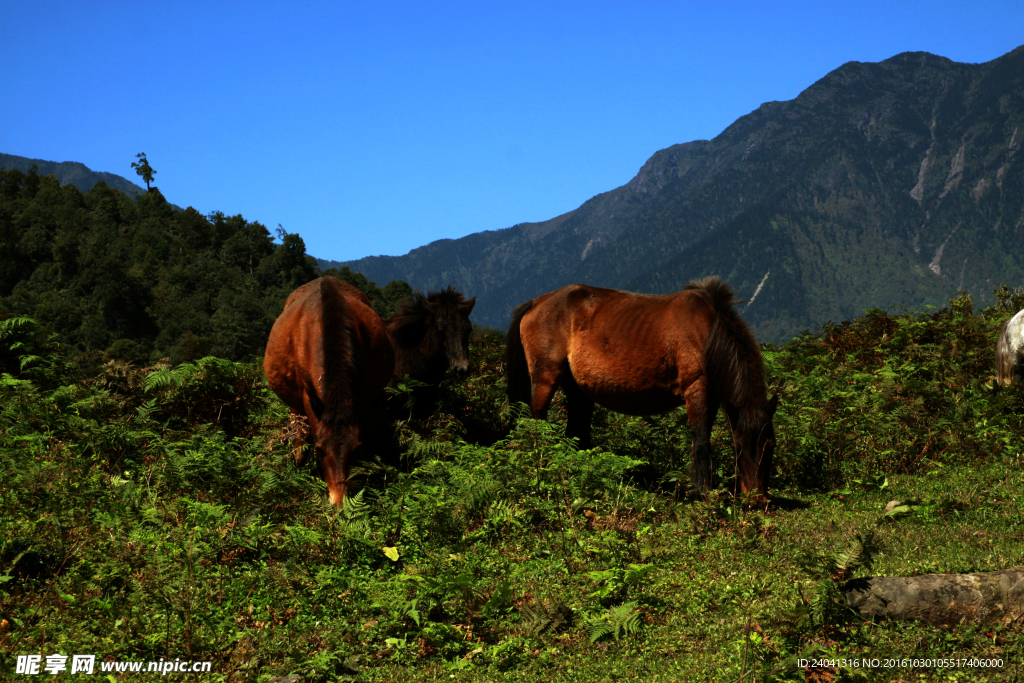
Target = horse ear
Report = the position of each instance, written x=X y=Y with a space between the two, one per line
x=466 y=307
x=773 y=403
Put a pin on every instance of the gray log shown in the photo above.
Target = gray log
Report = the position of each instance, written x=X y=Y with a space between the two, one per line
x=941 y=599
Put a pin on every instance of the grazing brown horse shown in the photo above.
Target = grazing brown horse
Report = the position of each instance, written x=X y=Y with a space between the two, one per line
x=430 y=336
x=330 y=356
x=640 y=354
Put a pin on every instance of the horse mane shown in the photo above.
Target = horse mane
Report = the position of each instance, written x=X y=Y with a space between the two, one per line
x=408 y=325
x=732 y=358
x=335 y=351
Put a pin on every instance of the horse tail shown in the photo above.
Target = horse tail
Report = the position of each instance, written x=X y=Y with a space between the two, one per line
x=1004 y=359
x=517 y=371
x=335 y=355
x=733 y=363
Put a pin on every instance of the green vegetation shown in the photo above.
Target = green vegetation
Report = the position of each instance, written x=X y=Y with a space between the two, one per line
x=156 y=512
x=134 y=279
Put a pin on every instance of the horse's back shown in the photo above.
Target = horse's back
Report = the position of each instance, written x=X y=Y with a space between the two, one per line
x=633 y=353
x=607 y=318
x=327 y=332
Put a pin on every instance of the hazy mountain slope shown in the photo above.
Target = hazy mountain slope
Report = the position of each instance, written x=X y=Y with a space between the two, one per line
x=890 y=183
x=70 y=173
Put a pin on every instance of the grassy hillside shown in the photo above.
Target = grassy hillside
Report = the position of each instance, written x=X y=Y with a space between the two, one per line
x=152 y=513
x=891 y=183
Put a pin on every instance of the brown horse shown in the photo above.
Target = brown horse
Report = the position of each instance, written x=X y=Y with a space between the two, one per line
x=640 y=354
x=330 y=356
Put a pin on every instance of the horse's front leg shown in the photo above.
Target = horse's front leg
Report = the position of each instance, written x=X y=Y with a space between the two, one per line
x=543 y=382
x=581 y=412
x=701 y=410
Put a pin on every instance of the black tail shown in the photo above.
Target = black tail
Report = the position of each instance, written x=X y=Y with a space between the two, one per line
x=517 y=372
x=732 y=357
x=1004 y=361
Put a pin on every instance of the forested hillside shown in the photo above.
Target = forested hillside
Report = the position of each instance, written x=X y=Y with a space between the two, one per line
x=138 y=280
x=70 y=173
x=883 y=184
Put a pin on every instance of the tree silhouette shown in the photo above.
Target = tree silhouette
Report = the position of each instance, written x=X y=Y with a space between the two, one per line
x=143 y=168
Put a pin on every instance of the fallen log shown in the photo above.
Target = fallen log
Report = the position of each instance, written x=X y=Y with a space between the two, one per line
x=941 y=599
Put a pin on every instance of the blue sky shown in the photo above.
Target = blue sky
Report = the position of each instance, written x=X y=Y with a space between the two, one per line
x=376 y=127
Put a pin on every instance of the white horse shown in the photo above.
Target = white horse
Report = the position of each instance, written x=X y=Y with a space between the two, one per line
x=1010 y=350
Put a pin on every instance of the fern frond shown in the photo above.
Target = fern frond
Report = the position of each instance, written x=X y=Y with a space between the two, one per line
x=859 y=555
x=618 y=622
x=546 y=618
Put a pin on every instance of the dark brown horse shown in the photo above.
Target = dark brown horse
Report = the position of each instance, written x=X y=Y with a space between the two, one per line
x=330 y=356
x=640 y=354
x=430 y=336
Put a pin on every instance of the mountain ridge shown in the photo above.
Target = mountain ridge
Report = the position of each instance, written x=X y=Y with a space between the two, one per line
x=70 y=172
x=891 y=182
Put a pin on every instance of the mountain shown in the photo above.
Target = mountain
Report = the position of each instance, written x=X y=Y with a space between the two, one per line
x=70 y=173
x=890 y=183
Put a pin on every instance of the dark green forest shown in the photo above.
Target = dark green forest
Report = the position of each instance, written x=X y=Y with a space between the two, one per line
x=121 y=278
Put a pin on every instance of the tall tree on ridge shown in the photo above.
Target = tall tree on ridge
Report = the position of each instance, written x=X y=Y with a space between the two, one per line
x=143 y=168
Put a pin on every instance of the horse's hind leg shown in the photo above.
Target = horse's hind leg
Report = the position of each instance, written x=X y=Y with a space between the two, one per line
x=581 y=412
x=701 y=410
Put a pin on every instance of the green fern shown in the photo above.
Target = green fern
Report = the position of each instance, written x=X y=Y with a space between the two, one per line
x=618 y=622
x=841 y=566
x=547 y=617
x=827 y=604
x=164 y=377
x=354 y=508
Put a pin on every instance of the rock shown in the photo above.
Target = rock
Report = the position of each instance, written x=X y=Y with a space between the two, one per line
x=941 y=599
x=290 y=678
